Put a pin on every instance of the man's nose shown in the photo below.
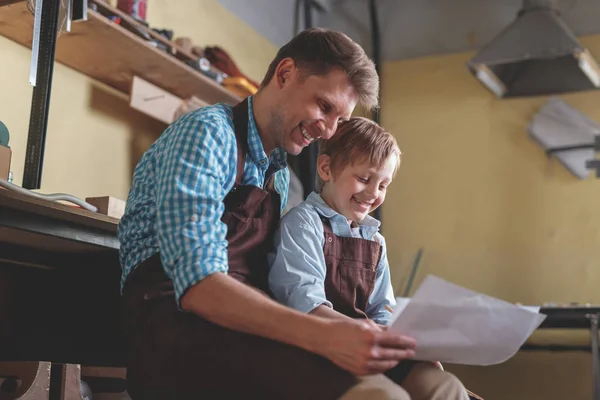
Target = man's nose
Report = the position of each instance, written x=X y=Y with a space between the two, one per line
x=330 y=128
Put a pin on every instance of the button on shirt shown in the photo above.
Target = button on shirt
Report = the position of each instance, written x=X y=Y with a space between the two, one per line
x=175 y=203
x=297 y=265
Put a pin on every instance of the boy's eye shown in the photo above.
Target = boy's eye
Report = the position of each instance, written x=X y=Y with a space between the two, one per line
x=361 y=179
x=382 y=187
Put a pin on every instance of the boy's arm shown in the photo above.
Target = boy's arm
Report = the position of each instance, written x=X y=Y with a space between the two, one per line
x=297 y=267
x=383 y=293
x=328 y=312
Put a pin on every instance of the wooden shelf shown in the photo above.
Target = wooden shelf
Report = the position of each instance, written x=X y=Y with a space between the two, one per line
x=111 y=54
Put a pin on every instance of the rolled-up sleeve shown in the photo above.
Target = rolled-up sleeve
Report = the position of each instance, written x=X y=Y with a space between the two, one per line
x=191 y=183
x=297 y=265
x=383 y=294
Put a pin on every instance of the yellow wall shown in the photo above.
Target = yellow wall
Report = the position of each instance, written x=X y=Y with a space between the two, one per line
x=491 y=211
x=94 y=138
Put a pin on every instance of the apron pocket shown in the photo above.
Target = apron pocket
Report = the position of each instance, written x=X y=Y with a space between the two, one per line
x=356 y=283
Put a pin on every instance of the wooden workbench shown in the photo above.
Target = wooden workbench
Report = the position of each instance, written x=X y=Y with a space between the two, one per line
x=59 y=284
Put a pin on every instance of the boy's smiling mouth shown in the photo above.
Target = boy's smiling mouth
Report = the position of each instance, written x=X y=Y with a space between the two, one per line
x=362 y=203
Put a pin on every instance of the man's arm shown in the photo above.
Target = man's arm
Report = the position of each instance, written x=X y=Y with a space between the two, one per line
x=194 y=170
x=358 y=346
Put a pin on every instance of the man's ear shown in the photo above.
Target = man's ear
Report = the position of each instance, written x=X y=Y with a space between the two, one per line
x=324 y=167
x=285 y=71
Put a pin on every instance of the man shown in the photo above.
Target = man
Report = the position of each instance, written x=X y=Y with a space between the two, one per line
x=203 y=207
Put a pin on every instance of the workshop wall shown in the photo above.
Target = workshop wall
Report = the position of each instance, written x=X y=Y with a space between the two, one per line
x=491 y=211
x=94 y=137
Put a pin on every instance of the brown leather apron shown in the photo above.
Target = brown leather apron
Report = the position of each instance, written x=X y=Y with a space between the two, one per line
x=350 y=279
x=178 y=355
x=351 y=271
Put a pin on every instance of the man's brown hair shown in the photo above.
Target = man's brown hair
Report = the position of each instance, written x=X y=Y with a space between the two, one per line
x=316 y=51
x=357 y=140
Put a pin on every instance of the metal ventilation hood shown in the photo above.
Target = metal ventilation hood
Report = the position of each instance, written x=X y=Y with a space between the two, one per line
x=537 y=54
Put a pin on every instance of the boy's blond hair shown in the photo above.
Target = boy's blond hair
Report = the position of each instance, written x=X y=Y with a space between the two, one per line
x=356 y=140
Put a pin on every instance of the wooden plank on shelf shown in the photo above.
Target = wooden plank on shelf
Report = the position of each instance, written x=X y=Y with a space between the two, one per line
x=107 y=52
x=153 y=101
x=108 y=205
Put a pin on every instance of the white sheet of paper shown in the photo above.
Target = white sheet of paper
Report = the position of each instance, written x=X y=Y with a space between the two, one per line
x=456 y=325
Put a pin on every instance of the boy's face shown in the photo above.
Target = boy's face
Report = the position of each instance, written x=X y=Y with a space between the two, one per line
x=356 y=190
x=309 y=108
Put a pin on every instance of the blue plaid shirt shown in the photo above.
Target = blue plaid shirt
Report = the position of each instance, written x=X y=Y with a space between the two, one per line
x=297 y=265
x=175 y=203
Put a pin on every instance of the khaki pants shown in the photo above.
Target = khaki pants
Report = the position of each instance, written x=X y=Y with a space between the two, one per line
x=424 y=382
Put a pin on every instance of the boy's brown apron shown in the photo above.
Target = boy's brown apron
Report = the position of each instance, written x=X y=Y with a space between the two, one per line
x=351 y=272
x=177 y=355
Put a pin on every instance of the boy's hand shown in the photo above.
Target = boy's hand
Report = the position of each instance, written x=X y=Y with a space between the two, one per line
x=363 y=348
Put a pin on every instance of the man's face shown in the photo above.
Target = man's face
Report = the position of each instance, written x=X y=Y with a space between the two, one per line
x=310 y=108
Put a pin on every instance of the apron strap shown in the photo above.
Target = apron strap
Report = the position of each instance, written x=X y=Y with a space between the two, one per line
x=240 y=124
x=326 y=226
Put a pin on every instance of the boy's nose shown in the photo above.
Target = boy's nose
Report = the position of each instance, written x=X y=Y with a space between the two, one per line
x=372 y=192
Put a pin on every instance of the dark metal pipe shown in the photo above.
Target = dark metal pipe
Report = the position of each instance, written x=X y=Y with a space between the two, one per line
x=376 y=50
x=308 y=14
x=307 y=159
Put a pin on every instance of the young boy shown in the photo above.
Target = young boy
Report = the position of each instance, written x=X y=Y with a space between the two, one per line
x=329 y=258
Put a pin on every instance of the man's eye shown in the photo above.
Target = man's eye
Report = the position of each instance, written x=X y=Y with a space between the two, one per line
x=325 y=107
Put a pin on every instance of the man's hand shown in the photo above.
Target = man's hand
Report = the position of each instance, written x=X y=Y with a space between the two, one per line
x=363 y=348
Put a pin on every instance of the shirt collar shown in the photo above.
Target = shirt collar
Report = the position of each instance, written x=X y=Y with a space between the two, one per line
x=256 y=149
x=368 y=226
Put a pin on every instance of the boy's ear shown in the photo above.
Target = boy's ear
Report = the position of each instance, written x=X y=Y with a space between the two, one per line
x=324 y=167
